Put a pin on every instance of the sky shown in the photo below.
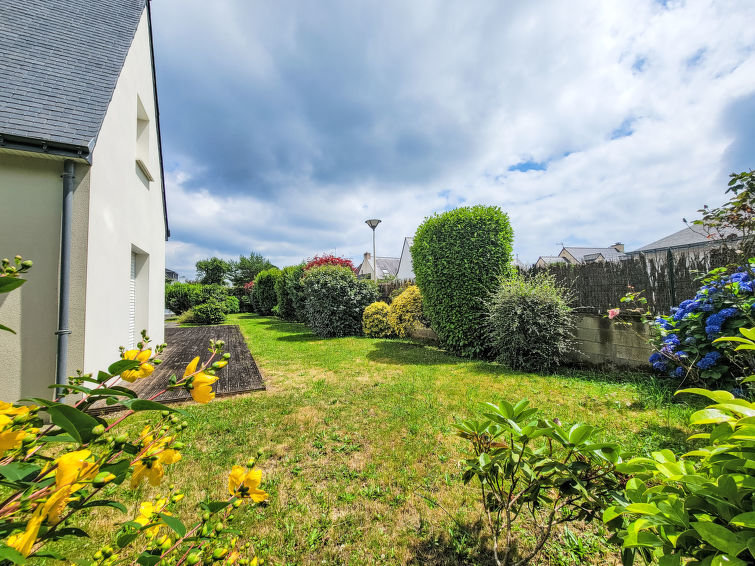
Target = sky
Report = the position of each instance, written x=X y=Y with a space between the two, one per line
x=285 y=125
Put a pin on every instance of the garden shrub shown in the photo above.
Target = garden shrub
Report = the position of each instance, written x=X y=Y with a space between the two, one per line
x=328 y=259
x=232 y=305
x=405 y=312
x=459 y=257
x=290 y=293
x=335 y=300
x=263 y=291
x=530 y=322
x=375 y=322
x=180 y=297
x=211 y=312
x=684 y=339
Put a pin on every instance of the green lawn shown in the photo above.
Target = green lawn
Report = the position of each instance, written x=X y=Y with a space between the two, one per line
x=359 y=453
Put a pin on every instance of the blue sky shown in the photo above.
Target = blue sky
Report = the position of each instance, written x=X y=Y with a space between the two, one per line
x=285 y=125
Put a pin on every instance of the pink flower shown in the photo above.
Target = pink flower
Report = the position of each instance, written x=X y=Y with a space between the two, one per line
x=613 y=313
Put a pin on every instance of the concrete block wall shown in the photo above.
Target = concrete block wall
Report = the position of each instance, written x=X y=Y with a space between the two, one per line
x=599 y=341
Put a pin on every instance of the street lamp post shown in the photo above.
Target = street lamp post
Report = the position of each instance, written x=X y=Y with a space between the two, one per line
x=372 y=223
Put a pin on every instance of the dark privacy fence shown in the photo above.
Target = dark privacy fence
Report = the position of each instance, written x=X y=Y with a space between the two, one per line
x=667 y=280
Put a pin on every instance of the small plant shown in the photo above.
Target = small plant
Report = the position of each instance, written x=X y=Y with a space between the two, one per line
x=531 y=466
x=211 y=312
x=375 y=321
x=405 y=312
x=530 y=322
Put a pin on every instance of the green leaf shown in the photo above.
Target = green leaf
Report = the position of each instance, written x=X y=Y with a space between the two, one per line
x=642 y=509
x=57 y=438
x=125 y=539
x=8 y=284
x=119 y=469
x=103 y=503
x=710 y=416
x=147 y=559
x=18 y=471
x=11 y=554
x=7 y=329
x=178 y=527
x=76 y=423
x=147 y=405
x=579 y=432
x=727 y=560
x=744 y=520
x=717 y=396
x=214 y=506
x=720 y=537
x=120 y=366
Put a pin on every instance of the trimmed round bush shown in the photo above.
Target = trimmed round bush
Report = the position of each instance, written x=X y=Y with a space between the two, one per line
x=290 y=293
x=210 y=312
x=232 y=305
x=375 y=321
x=263 y=291
x=459 y=257
x=530 y=323
x=335 y=300
x=405 y=312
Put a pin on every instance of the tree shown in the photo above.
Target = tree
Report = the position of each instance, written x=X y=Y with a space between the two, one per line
x=246 y=268
x=213 y=271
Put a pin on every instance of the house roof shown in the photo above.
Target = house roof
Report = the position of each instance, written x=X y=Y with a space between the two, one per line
x=685 y=237
x=59 y=64
x=551 y=259
x=583 y=255
x=385 y=265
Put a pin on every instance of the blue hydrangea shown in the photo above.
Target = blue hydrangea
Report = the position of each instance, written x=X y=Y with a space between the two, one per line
x=709 y=360
x=660 y=366
x=655 y=357
x=679 y=372
x=672 y=340
x=691 y=340
x=663 y=323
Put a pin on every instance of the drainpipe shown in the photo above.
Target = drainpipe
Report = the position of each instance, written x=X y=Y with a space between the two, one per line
x=65 y=275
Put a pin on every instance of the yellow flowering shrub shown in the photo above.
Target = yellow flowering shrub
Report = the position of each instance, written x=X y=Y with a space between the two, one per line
x=405 y=312
x=375 y=321
x=58 y=459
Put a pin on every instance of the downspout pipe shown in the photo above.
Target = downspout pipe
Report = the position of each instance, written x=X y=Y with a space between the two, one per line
x=64 y=290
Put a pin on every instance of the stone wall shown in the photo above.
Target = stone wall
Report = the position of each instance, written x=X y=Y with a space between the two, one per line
x=599 y=341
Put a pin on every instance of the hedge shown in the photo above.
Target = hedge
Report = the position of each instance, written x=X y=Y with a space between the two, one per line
x=459 y=257
x=264 y=297
x=335 y=300
x=290 y=293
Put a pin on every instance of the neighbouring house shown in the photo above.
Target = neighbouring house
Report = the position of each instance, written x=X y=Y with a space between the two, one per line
x=405 y=271
x=572 y=255
x=81 y=187
x=386 y=267
x=171 y=275
x=687 y=241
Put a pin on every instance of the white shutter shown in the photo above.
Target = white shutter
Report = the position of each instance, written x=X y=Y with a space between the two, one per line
x=132 y=304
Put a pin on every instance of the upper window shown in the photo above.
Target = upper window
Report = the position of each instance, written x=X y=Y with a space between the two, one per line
x=142 y=140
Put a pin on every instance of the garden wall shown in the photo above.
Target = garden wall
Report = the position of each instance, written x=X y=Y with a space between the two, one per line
x=599 y=341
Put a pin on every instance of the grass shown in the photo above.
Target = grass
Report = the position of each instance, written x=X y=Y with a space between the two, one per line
x=359 y=453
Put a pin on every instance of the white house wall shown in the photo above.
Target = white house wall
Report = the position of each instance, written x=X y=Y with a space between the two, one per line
x=126 y=215
x=31 y=192
x=405 y=266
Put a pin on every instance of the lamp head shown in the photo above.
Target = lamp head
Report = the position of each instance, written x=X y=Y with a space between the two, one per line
x=372 y=223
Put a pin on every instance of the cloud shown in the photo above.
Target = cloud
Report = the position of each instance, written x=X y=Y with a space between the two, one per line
x=589 y=122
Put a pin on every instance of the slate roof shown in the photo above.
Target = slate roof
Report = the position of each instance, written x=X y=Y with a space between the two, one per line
x=685 y=237
x=583 y=255
x=385 y=265
x=59 y=64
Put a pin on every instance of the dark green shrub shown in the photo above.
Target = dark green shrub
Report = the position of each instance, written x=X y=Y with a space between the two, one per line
x=336 y=299
x=459 y=257
x=290 y=292
x=180 y=297
x=530 y=323
x=231 y=305
x=210 y=312
x=263 y=291
x=215 y=292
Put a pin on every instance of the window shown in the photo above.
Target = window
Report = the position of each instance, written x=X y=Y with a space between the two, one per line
x=142 y=140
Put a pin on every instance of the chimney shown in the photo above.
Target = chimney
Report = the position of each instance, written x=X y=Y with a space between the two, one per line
x=367 y=256
x=619 y=247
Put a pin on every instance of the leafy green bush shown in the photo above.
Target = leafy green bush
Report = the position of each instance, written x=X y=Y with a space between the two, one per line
x=231 y=305
x=405 y=312
x=697 y=506
x=210 y=312
x=336 y=299
x=529 y=322
x=459 y=257
x=263 y=291
x=290 y=292
x=180 y=297
x=537 y=468
x=375 y=321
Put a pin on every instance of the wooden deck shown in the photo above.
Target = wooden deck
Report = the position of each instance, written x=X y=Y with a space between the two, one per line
x=184 y=344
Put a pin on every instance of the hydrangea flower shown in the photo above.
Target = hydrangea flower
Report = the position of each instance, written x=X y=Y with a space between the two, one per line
x=709 y=360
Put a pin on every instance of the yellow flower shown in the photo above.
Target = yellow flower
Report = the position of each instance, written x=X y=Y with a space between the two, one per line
x=147 y=511
x=14 y=410
x=74 y=467
x=24 y=542
x=144 y=369
x=202 y=384
x=151 y=467
x=245 y=483
x=10 y=439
